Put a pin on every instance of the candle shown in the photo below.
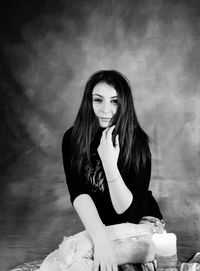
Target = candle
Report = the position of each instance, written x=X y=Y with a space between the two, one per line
x=165 y=243
x=166 y=250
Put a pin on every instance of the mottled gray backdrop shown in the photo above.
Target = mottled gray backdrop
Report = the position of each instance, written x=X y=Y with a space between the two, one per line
x=48 y=50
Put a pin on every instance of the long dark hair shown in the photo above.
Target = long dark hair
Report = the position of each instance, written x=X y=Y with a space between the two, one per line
x=134 y=142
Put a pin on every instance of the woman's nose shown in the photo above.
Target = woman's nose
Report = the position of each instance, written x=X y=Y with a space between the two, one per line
x=106 y=108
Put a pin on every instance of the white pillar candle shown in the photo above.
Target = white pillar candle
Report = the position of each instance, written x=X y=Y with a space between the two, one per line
x=166 y=250
x=165 y=244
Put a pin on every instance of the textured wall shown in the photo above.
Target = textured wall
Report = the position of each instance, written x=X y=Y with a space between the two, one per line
x=48 y=50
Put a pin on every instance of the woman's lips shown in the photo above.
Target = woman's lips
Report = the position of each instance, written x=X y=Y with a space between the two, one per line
x=105 y=119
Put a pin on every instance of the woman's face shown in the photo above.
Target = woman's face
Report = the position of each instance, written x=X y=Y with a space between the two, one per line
x=105 y=103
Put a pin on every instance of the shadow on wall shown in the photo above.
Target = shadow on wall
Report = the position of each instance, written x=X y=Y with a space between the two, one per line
x=47 y=54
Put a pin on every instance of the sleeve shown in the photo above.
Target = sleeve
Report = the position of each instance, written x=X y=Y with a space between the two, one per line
x=152 y=207
x=75 y=181
x=138 y=185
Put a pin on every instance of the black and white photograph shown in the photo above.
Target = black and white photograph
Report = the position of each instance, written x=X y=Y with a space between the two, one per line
x=99 y=135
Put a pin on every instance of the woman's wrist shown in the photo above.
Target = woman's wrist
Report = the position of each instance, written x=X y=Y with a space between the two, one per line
x=97 y=233
x=100 y=237
x=114 y=179
x=112 y=175
x=110 y=164
x=111 y=171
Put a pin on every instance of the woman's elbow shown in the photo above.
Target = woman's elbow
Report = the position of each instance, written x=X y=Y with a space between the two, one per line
x=122 y=208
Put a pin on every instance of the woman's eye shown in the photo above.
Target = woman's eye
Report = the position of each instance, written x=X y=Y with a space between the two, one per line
x=115 y=101
x=97 y=100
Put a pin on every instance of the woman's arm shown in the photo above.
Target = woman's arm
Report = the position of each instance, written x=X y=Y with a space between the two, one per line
x=104 y=256
x=74 y=180
x=121 y=196
x=88 y=214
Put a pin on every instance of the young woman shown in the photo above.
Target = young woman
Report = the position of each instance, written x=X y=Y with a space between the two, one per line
x=107 y=162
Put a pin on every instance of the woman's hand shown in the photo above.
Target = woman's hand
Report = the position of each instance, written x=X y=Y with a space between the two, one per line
x=107 y=151
x=104 y=256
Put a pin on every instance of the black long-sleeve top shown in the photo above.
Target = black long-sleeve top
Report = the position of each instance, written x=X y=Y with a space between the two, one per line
x=92 y=181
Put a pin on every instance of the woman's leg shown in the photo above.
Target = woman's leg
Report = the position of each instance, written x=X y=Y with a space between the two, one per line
x=73 y=254
x=50 y=263
x=131 y=242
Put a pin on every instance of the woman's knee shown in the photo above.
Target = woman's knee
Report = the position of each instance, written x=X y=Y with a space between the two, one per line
x=50 y=263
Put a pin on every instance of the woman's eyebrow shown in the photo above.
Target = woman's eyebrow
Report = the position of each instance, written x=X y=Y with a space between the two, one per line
x=113 y=97
x=97 y=95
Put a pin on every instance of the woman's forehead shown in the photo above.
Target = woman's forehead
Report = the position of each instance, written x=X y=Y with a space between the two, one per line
x=104 y=89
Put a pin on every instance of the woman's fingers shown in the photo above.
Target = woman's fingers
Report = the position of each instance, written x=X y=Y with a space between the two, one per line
x=103 y=267
x=109 y=267
x=106 y=267
x=114 y=267
x=96 y=266
x=107 y=133
x=104 y=134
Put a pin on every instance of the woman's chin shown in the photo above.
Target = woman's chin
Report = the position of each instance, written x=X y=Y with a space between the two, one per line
x=104 y=125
